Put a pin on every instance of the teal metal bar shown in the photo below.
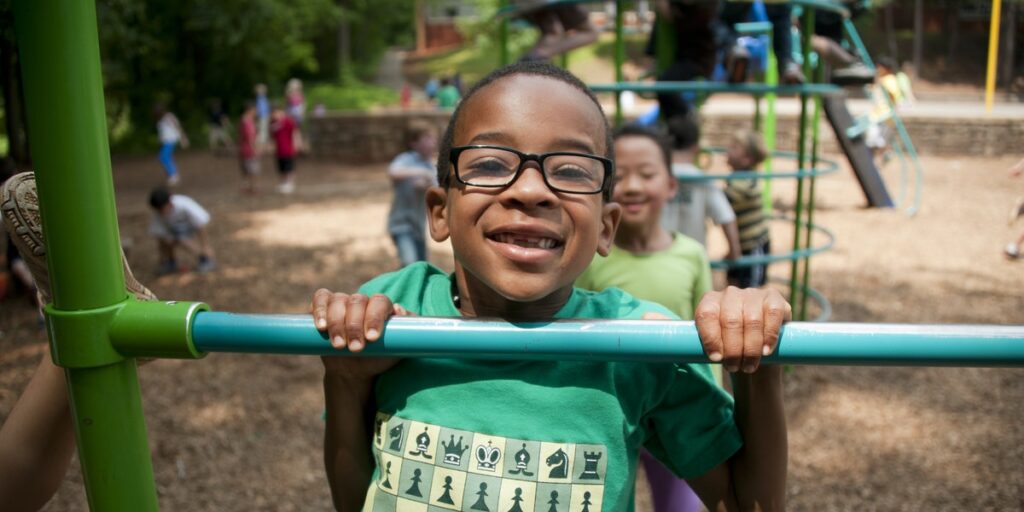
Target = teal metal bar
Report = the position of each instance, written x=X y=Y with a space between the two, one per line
x=60 y=59
x=621 y=340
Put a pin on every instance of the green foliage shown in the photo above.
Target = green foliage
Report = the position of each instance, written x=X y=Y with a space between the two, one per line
x=482 y=51
x=182 y=54
x=352 y=95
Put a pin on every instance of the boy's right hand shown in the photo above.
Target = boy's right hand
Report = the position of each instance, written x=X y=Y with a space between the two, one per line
x=352 y=321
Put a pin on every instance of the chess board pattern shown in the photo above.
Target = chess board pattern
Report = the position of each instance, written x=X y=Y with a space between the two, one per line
x=431 y=468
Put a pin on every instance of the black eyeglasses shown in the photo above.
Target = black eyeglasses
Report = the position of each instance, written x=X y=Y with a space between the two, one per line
x=498 y=166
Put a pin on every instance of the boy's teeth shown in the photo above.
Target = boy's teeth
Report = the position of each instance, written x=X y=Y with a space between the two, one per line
x=526 y=241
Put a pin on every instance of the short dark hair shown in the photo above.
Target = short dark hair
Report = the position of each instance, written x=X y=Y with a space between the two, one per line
x=534 y=68
x=653 y=134
x=684 y=131
x=416 y=129
x=159 y=197
x=885 y=62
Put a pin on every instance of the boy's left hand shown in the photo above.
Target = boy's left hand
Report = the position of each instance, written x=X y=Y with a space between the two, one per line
x=737 y=327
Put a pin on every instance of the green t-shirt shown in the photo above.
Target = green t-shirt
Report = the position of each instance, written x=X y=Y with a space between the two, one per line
x=676 y=277
x=447 y=97
x=496 y=435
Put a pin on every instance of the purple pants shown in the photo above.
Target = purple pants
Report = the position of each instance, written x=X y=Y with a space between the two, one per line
x=670 y=493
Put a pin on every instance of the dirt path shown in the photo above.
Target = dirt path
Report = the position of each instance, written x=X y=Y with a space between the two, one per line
x=236 y=432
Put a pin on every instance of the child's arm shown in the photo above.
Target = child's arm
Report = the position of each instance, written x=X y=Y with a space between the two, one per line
x=737 y=327
x=36 y=441
x=1017 y=169
x=350 y=322
x=399 y=173
x=181 y=131
x=732 y=235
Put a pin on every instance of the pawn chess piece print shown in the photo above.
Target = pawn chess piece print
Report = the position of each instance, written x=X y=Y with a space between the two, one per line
x=586 y=502
x=516 y=500
x=480 y=503
x=447 y=496
x=414 y=489
x=387 y=476
x=553 y=502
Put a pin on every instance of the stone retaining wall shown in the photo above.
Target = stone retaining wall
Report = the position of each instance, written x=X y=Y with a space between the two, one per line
x=379 y=136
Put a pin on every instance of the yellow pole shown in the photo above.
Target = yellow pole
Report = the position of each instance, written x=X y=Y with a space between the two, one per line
x=993 y=52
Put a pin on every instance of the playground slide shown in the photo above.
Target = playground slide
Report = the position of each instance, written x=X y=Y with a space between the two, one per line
x=857 y=152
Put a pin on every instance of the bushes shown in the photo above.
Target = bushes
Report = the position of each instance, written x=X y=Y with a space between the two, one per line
x=352 y=95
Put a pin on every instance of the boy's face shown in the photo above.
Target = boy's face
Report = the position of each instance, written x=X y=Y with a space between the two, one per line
x=524 y=242
x=737 y=157
x=643 y=184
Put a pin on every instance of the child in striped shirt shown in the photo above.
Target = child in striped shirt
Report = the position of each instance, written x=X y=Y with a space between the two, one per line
x=745 y=152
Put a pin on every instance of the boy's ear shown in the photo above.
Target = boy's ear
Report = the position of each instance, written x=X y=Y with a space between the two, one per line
x=437 y=213
x=611 y=213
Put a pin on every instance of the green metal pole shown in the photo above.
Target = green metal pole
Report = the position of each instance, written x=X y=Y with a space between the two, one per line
x=794 y=280
x=816 y=121
x=620 y=58
x=771 y=77
x=60 y=60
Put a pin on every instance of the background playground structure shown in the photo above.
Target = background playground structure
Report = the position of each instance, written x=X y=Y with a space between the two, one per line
x=79 y=295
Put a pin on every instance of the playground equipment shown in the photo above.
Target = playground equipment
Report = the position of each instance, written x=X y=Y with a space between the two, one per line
x=96 y=332
x=827 y=97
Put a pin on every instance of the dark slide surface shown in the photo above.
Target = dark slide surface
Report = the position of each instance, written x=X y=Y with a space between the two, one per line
x=857 y=152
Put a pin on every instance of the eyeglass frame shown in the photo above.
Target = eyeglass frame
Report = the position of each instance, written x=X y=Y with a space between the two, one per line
x=609 y=166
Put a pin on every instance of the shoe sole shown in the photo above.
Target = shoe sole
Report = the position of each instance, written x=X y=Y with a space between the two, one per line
x=19 y=205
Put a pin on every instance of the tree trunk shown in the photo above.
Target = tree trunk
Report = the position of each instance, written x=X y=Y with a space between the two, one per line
x=1009 y=42
x=15 y=121
x=890 y=34
x=344 y=41
x=918 y=35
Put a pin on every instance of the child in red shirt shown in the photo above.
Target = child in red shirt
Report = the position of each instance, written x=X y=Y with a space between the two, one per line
x=247 y=148
x=283 y=129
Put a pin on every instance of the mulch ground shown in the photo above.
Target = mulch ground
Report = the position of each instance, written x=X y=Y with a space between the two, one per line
x=243 y=432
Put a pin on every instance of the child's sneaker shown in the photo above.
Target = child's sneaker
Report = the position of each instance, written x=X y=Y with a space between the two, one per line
x=793 y=75
x=286 y=188
x=857 y=73
x=173 y=180
x=1012 y=251
x=19 y=205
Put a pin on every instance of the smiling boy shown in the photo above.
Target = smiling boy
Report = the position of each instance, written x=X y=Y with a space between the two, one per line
x=525 y=179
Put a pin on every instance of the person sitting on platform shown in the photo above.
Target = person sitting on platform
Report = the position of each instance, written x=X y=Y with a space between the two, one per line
x=563 y=27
